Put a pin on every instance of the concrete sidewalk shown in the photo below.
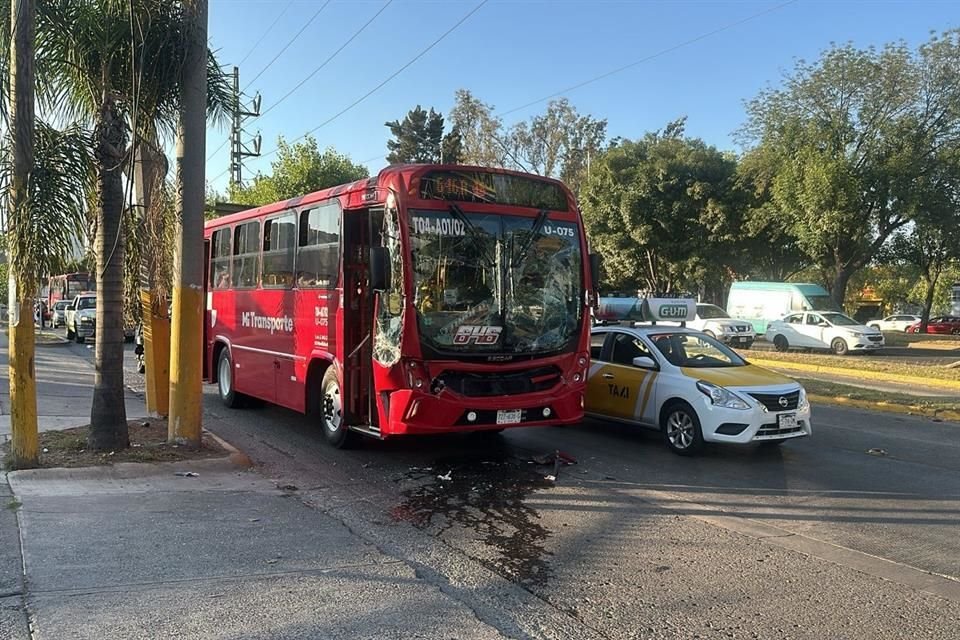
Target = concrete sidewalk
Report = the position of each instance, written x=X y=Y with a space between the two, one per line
x=134 y=551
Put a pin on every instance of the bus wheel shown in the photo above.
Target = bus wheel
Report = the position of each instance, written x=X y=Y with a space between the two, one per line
x=331 y=412
x=228 y=395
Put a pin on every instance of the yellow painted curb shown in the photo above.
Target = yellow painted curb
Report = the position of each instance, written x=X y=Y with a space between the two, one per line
x=944 y=414
x=882 y=376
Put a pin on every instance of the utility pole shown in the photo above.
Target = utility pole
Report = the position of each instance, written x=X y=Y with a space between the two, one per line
x=23 y=382
x=238 y=149
x=186 y=344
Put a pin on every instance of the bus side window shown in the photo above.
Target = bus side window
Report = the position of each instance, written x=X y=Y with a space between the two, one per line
x=220 y=260
x=318 y=253
x=279 y=244
x=246 y=254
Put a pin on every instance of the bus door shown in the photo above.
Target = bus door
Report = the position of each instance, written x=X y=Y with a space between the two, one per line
x=361 y=229
x=206 y=307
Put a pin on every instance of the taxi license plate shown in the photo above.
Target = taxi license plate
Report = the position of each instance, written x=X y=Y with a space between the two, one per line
x=509 y=417
x=787 y=421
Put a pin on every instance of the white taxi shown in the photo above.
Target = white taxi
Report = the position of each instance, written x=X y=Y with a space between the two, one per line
x=691 y=387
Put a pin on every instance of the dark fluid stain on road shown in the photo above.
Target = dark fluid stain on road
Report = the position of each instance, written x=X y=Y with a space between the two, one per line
x=485 y=495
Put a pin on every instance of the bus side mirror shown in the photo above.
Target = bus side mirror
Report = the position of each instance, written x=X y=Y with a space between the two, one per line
x=595 y=263
x=379 y=268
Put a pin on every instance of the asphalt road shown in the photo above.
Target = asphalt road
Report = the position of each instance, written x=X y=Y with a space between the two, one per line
x=850 y=533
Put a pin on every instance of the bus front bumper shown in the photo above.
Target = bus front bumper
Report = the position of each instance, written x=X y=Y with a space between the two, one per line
x=417 y=412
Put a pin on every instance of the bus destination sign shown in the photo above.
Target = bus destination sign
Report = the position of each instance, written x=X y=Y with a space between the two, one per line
x=492 y=188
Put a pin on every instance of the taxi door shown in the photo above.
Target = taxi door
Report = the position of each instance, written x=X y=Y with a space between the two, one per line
x=615 y=387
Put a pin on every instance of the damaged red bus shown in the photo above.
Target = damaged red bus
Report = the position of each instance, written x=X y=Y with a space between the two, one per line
x=428 y=299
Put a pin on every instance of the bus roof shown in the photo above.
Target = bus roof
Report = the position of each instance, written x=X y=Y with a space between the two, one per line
x=376 y=186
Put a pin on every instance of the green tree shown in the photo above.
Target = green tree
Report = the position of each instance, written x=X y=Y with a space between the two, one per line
x=300 y=168
x=419 y=138
x=114 y=67
x=481 y=134
x=662 y=211
x=842 y=144
x=559 y=143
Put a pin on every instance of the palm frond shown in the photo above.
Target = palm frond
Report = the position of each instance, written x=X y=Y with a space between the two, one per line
x=44 y=234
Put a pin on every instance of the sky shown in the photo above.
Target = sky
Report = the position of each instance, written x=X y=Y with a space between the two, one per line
x=699 y=59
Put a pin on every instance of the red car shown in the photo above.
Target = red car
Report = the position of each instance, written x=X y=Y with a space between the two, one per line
x=940 y=324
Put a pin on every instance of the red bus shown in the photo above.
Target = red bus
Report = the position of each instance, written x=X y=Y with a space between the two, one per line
x=427 y=299
x=66 y=286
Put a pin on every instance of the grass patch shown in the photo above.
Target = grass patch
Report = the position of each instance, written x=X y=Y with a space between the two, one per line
x=148 y=443
x=860 y=363
x=13 y=504
x=835 y=390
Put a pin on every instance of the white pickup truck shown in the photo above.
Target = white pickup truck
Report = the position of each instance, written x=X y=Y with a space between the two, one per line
x=81 y=317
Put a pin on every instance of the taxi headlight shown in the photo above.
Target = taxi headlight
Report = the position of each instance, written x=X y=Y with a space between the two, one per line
x=803 y=403
x=855 y=334
x=721 y=397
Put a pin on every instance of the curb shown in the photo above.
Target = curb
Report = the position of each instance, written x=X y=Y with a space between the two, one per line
x=236 y=456
x=952 y=385
x=886 y=407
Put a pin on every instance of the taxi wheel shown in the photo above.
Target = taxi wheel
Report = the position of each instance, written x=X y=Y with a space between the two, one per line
x=780 y=344
x=681 y=429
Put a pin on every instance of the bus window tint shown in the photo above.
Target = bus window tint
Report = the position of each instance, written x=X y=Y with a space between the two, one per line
x=318 y=258
x=220 y=259
x=279 y=242
x=246 y=254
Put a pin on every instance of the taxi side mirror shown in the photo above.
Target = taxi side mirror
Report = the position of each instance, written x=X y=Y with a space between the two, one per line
x=823 y=323
x=644 y=362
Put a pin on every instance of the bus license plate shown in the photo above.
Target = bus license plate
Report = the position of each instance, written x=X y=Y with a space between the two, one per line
x=509 y=417
x=787 y=421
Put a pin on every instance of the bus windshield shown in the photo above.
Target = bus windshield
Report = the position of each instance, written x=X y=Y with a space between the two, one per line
x=491 y=283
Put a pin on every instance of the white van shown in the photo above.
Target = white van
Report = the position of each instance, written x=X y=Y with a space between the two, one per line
x=763 y=302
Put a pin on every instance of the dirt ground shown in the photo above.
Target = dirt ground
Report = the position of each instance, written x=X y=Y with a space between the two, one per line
x=148 y=443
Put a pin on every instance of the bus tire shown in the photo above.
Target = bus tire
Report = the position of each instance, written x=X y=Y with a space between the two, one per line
x=335 y=428
x=225 y=386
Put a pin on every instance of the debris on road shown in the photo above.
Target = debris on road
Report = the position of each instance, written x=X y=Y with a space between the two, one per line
x=446 y=477
x=877 y=452
x=187 y=474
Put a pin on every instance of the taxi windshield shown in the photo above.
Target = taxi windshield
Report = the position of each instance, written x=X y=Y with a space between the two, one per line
x=695 y=350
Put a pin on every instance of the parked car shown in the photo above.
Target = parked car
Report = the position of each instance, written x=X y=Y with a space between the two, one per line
x=60 y=313
x=690 y=387
x=940 y=324
x=901 y=322
x=81 y=317
x=823 y=330
x=762 y=302
x=717 y=323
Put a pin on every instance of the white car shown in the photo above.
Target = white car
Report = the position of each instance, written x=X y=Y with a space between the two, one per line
x=823 y=330
x=899 y=322
x=690 y=387
x=717 y=323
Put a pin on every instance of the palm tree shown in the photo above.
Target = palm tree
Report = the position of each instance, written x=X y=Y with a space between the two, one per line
x=114 y=66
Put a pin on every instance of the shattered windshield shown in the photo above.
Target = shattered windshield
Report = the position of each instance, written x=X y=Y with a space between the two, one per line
x=490 y=283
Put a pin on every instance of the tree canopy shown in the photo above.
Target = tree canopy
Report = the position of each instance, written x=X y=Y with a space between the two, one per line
x=845 y=144
x=299 y=168
x=419 y=138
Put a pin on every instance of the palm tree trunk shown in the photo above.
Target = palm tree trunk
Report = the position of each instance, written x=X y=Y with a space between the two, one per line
x=23 y=383
x=108 y=417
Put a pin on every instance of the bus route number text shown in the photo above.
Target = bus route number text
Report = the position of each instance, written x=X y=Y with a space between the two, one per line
x=439 y=226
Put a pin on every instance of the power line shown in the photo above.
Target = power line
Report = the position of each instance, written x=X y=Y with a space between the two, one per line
x=388 y=79
x=662 y=52
x=272 y=25
x=287 y=46
x=331 y=57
